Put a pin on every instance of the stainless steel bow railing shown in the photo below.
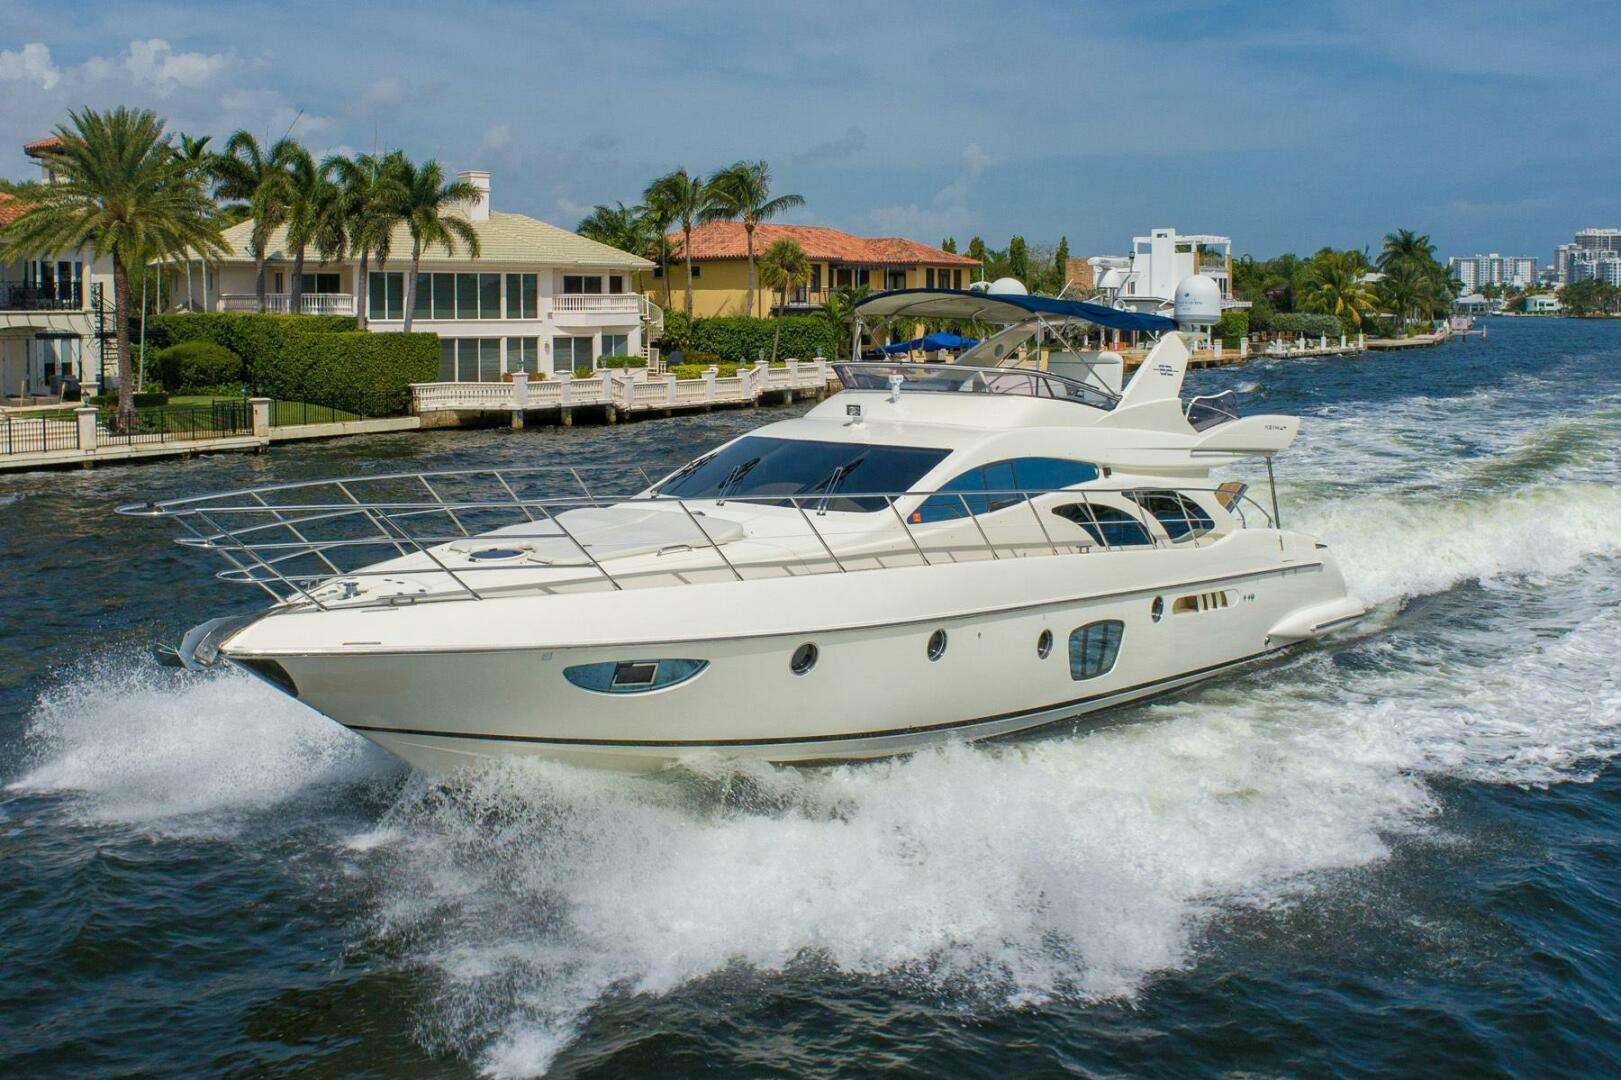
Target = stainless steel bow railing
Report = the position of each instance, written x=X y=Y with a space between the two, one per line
x=316 y=543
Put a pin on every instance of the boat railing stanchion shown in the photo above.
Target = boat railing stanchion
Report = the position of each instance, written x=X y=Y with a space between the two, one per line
x=697 y=524
x=646 y=480
x=1142 y=517
x=226 y=554
x=414 y=542
x=516 y=501
x=818 y=534
x=446 y=506
x=558 y=521
x=368 y=513
x=247 y=549
x=316 y=549
x=583 y=487
x=907 y=529
x=1030 y=500
x=1272 y=482
x=975 y=519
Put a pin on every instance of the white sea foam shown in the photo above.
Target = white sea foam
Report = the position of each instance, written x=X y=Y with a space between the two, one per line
x=182 y=754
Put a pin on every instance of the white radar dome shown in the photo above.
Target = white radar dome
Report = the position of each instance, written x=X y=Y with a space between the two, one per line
x=1007 y=286
x=1198 y=301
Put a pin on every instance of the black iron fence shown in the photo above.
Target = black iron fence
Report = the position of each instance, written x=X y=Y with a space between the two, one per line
x=177 y=423
x=290 y=413
x=36 y=434
x=21 y=296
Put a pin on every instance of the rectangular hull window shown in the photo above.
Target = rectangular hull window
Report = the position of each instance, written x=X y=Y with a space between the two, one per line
x=1094 y=647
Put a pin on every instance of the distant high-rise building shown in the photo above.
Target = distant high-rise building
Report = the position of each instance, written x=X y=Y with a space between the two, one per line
x=1606 y=269
x=1494 y=269
x=1574 y=261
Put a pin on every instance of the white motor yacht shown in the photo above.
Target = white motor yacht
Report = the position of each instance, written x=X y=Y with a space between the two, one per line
x=964 y=550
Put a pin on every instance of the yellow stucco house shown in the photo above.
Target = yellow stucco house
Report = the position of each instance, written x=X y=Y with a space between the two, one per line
x=720 y=273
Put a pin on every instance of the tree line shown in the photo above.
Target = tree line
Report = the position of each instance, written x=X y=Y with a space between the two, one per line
x=130 y=191
x=1404 y=282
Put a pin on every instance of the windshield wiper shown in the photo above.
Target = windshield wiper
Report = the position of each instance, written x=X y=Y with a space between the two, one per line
x=829 y=484
x=683 y=472
x=734 y=478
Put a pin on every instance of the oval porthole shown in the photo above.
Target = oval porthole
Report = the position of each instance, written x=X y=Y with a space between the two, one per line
x=1044 y=644
x=1156 y=610
x=804 y=659
x=937 y=644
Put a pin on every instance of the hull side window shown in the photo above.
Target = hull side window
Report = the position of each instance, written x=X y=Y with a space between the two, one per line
x=1094 y=647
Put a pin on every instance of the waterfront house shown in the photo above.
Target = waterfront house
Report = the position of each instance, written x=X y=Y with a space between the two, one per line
x=1146 y=279
x=1543 y=304
x=55 y=313
x=720 y=273
x=538 y=298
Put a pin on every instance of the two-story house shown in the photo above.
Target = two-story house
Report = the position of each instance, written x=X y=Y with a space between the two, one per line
x=538 y=298
x=55 y=313
x=720 y=273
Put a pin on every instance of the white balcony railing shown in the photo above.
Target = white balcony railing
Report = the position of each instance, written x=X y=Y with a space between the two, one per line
x=598 y=304
x=282 y=303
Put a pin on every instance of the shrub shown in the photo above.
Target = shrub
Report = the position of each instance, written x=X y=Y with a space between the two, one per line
x=1232 y=327
x=677 y=332
x=744 y=340
x=198 y=366
x=697 y=371
x=316 y=358
x=622 y=362
x=1309 y=324
x=141 y=401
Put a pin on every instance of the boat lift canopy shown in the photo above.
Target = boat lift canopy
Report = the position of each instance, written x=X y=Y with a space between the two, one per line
x=1002 y=308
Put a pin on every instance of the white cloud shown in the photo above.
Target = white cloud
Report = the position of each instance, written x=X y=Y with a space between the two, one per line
x=497 y=137
x=156 y=65
x=947 y=211
x=380 y=97
x=31 y=63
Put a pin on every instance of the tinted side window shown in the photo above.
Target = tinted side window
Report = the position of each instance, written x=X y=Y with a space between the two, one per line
x=1094 y=647
x=1106 y=525
x=1180 y=517
x=1012 y=475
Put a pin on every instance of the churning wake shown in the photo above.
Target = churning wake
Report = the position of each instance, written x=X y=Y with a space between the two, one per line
x=1074 y=867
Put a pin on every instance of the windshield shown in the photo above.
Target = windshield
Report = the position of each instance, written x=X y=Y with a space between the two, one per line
x=755 y=466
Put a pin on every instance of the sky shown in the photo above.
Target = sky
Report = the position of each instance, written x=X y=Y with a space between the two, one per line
x=1490 y=126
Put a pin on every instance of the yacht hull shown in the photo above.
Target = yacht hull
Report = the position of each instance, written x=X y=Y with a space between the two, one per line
x=440 y=688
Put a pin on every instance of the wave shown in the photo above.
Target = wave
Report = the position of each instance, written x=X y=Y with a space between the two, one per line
x=177 y=753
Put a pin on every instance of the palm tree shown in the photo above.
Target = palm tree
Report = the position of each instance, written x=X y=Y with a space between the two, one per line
x=199 y=161
x=783 y=267
x=1406 y=246
x=428 y=210
x=1334 y=284
x=743 y=191
x=122 y=194
x=660 y=214
x=618 y=226
x=687 y=200
x=839 y=311
x=258 y=177
x=372 y=194
x=1404 y=288
x=308 y=194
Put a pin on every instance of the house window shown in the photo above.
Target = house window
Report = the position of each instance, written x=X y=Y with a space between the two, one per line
x=697 y=271
x=658 y=272
x=522 y=290
x=895 y=279
x=1093 y=648
x=956 y=279
x=928 y=277
x=523 y=354
x=278 y=282
x=469 y=359
x=422 y=298
x=843 y=277
x=444 y=295
x=616 y=283
x=489 y=359
x=385 y=295
x=571 y=353
x=615 y=344
x=466 y=296
x=322 y=284
x=574 y=284
x=816 y=277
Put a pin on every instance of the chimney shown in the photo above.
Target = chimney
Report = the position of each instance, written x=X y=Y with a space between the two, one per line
x=479 y=209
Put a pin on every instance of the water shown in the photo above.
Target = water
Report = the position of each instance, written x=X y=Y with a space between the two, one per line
x=1395 y=853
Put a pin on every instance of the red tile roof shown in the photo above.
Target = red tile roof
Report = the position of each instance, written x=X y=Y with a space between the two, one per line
x=42 y=146
x=11 y=208
x=726 y=240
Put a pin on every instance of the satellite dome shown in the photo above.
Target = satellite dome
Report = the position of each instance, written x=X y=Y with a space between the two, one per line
x=1008 y=286
x=1198 y=301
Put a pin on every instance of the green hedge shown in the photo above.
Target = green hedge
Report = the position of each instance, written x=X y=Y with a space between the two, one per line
x=198 y=367
x=622 y=362
x=741 y=340
x=315 y=358
x=697 y=371
x=141 y=401
x=1232 y=327
x=1307 y=323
